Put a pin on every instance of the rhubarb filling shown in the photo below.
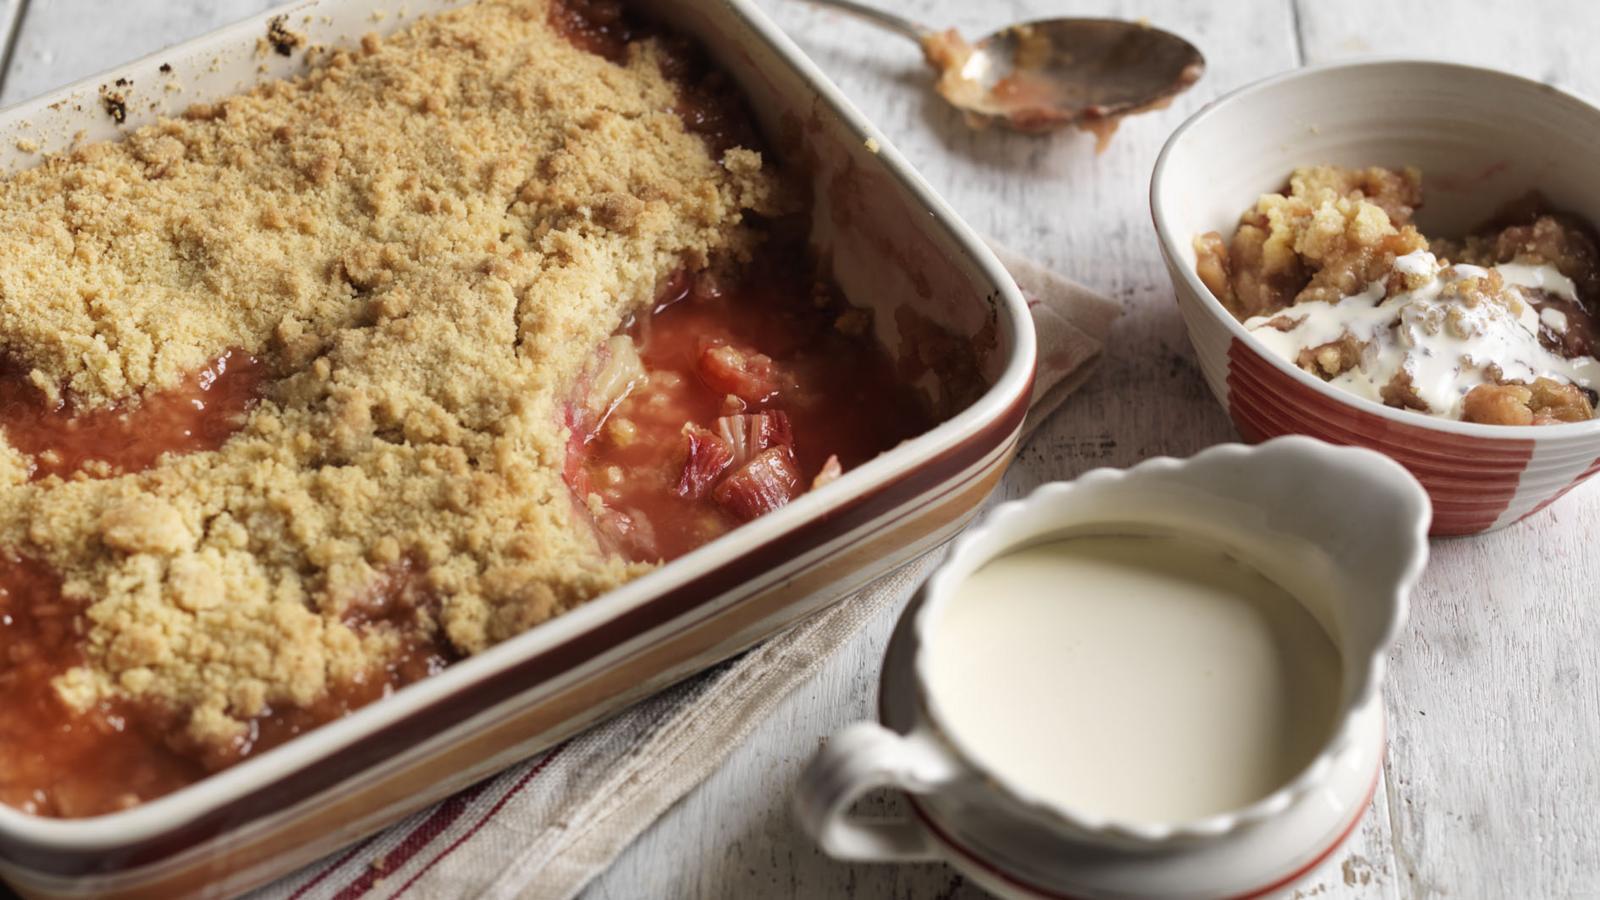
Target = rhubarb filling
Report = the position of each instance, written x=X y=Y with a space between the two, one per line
x=199 y=413
x=727 y=400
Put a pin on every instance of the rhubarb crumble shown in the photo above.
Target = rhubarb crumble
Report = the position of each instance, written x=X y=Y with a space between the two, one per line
x=310 y=392
x=1498 y=328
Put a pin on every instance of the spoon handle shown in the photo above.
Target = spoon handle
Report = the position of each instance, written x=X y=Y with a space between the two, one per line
x=878 y=17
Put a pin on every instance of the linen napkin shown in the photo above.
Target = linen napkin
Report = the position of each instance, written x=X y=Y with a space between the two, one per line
x=546 y=826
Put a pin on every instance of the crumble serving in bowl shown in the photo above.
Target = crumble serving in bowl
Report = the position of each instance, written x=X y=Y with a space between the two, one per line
x=312 y=391
x=1331 y=274
x=1484 y=139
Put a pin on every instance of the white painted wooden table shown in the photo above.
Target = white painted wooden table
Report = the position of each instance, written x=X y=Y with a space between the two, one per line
x=1492 y=786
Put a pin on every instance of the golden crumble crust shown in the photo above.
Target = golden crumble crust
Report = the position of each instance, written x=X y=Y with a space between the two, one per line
x=425 y=240
x=1330 y=234
x=1544 y=402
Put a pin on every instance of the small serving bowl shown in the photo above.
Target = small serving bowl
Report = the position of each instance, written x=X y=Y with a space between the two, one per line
x=1341 y=529
x=1481 y=138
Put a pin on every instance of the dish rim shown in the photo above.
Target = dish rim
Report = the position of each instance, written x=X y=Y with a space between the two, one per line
x=148 y=821
x=1170 y=248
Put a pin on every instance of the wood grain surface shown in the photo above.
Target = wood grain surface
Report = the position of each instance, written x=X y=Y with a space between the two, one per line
x=1492 y=786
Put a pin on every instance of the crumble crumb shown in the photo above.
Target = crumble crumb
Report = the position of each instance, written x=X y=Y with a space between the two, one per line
x=1330 y=234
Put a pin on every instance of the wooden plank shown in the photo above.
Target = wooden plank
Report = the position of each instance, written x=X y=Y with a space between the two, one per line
x=1548 y=41
x=1495 y=693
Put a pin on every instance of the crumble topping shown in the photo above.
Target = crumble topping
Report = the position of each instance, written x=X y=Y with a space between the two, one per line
x=423 y=242
x=1497 y=328
x=1329 y=235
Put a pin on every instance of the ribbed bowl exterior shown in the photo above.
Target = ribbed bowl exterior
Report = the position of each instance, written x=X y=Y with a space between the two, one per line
x=1481 y=138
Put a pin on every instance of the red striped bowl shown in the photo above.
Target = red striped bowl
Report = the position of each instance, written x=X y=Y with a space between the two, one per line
x=1481 y=138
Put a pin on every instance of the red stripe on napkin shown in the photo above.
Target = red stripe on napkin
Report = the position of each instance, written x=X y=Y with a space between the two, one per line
x=493 y=811
x=431 y=827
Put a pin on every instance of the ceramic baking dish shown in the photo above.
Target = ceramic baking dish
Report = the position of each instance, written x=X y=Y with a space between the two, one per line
x=893 y=245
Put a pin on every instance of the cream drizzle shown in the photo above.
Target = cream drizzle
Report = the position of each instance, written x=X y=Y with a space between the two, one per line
x=1446 y=345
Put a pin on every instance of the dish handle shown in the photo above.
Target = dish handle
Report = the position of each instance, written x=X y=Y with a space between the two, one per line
x=861 y=758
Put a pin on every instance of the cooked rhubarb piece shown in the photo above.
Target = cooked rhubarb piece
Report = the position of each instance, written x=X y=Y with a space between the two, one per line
x=737 y=440
x=629 y=533
x=708 y=455
x=761 y=485
x=750 y=433
x=573 y=471
x=620 y=371
x=751 y=377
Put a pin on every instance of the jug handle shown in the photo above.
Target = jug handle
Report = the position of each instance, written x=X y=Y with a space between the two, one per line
x=861 y=758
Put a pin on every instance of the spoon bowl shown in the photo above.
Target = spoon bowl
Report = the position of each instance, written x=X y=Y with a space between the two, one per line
x=1042 y=75
x=1039 y=76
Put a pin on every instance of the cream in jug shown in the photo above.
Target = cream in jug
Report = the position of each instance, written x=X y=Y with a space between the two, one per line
x=1142 y=678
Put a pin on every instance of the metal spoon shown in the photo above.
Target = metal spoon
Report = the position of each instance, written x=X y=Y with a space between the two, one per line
x=1039 y=76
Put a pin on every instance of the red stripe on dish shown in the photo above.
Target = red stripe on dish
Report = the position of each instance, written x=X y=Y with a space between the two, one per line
x=972 y=856
x=419 y=837
x=1320 y=858
x=1471 y=480
x=493 y=811
x=1582 y=477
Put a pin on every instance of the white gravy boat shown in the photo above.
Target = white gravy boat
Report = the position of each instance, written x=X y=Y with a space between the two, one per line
x=1344 y=530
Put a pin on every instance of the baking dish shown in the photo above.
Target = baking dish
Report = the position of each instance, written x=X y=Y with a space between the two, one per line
x=892 y=245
